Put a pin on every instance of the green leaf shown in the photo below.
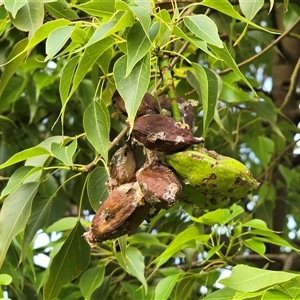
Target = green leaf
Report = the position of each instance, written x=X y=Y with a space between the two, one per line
x=134 y=264
x=11 y=67
x=143 y=17
x=90 y=280
x=248 y=279
x=181 y=241
x=251 y=7
x=209 y=93
x=30 y=16
x=13 y=6
x=25 y=154
x=110 y=27
x=219 y=216
x=96 y=187
x=184 y=288
x=138 y=45
x=257 y=246
x=223 y=294
x=72 y=258
x=258 y=224
x=66 y=78
x=14 y=215
x=98 y=8
x=61 y=9
x=64 y=153
x=64 y=224
x=96 y=123
x=56 y=40
x=165 y=287
x=41 y=207
x=263 y=148
x=17 y=178
x=203 y=27
x=5 y=279
x=225 y=55
x=87 y=60
x=133 y=87
x=276 y=294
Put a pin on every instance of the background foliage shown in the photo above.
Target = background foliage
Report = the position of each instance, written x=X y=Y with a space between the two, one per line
x=60 y=64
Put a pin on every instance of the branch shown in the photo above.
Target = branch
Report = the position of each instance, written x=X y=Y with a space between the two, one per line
x=249 y=60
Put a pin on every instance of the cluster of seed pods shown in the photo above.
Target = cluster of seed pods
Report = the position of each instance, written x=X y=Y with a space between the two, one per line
x=199 y=177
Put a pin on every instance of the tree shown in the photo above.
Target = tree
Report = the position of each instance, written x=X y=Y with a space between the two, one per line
x=61 y=64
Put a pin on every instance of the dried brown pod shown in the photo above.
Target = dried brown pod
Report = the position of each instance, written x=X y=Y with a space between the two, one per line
x=162 y=133
x=122 y=167
x=123 y=211
x=186 y=108
x=148 y=105
x=159 y=184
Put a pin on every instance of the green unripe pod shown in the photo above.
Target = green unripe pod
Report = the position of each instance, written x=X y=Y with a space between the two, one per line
x=212 y=174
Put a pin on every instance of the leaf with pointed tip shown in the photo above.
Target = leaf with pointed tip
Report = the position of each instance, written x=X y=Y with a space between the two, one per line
x=209 y=93
x=25 y=154
x=133 y=87
x=165 y=287
x=14 y=6
x=61 y=9
x=14 y=215
x=39 y=215
x=251 y=7
x=72 y=258
x=96 y=123
x=203 y=27
x=64 y=153
x=98 y=8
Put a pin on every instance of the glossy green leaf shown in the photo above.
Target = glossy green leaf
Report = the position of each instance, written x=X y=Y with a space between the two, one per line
x=30 y=16
x=165 y=287
x=96 y=187
x=263 y=148
x=41 y=207
x=133 y=87
x=17 y=178
x=209 y=93
x=72 y=258
x=87 y=60
x=133 y=264
x=5 y=279
x=56 y=40
x=203 y=27
x=96 y=123
x=143 y=17
x=14 y=215
x=183 y=239
x=256 y=245
x=61 y=9
x=225 y=55
x=67 y=78
x=90 y=280
x=219 y=216
x=98 y=8
x=276 y=294
x=250 y=7
x=249 y=279
x=185 y=287
x=110 y=27
x=138 y=45
x=64 y=153
x=25 y=154
x=257 y=224
x=64 y=224
x=14 y=6
x=11 y=67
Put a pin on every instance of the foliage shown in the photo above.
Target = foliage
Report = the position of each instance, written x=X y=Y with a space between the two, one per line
x=60 y=65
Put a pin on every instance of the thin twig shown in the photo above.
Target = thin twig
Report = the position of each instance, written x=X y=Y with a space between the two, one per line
x=249 y=60
x=293 y=84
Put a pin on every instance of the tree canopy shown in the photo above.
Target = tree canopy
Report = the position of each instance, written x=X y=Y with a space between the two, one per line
x=76 y=76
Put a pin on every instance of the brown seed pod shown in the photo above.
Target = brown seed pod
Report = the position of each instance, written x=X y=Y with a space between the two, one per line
x=148 y=105
x=159 y=184
x=122 y=167
x=123 y=211
x=162 y=133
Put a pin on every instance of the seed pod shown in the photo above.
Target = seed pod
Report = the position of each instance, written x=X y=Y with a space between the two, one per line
x=210 y=201
x=123 y=211
x=212 y=173
x=159 y=185
x=162 y=133
x=148 y=105
x=122 y=167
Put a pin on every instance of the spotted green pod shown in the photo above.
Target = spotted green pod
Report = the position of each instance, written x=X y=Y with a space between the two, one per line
x=212 y=173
